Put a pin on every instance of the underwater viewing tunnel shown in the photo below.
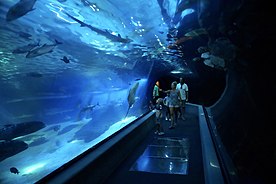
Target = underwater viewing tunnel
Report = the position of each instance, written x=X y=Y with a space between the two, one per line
x=77 y=79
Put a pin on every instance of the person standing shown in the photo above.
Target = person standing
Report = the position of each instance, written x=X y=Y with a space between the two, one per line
x=183 y=89
x=174 y=102
x=151 y=105
x=158 y=114
x=156 y=90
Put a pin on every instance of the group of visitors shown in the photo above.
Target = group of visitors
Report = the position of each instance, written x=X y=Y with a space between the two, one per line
x=174 y=103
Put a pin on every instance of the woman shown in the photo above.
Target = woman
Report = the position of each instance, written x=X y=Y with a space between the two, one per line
x=174 y=102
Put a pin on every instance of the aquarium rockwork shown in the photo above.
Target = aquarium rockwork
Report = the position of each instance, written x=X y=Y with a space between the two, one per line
x=74 y=72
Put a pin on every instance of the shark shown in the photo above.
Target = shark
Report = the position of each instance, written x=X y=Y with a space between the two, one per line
x=105 y=33
x=86 y=109
x=89 y=108
x=20 y=9
x=131 y=96
x=44 y=49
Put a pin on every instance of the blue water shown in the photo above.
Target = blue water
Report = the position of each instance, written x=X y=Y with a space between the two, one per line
x=101 y=72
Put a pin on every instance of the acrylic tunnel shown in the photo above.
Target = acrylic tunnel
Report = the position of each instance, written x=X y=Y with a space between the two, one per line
x=80 y=83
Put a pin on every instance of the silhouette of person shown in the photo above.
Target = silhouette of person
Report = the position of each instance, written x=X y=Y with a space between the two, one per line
x=183 y=89
x=158 y=114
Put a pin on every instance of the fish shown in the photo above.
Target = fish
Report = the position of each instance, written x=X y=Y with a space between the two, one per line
x=20 y=9
x=179 y=41
x=87 y=108
x=182 y=5
x=44 y=49
x=25 y=48
x=87 y=3
x=11 y=131
x=10 y=148
x=205 y=55
x=170 y=36
x=188 y=36
x=183 y=39
x=65 y=59
x=105 y=33
x=139 y=46
x=14 y=170
x=24 y=35
x=34 y=74
x=202 y=49
x=131 y=96
x=196 y=59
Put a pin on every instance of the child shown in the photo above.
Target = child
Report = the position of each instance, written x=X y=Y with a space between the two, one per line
x=166 y=103
x=151 y=106
x=158 y=113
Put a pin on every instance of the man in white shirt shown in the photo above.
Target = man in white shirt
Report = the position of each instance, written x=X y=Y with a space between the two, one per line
x=183 y=88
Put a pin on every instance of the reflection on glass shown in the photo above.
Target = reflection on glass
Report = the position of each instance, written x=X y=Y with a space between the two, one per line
x=164 y=155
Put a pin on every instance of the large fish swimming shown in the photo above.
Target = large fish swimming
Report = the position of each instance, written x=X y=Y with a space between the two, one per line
x=25 y=48
x=20 y=9
x=105 y=33
x=131 y=96
x=44 y=49
x=86 y=109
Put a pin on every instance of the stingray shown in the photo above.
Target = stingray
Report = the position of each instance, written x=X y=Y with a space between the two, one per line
x=131 y=96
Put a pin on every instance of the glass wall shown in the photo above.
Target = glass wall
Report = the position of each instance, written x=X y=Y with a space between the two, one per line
x=56 y=120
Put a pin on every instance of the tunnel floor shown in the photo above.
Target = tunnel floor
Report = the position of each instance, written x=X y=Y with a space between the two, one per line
x=167 y=155
x=175 y=157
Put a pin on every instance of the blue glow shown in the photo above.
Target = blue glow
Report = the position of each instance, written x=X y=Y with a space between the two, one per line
x=33 y=168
